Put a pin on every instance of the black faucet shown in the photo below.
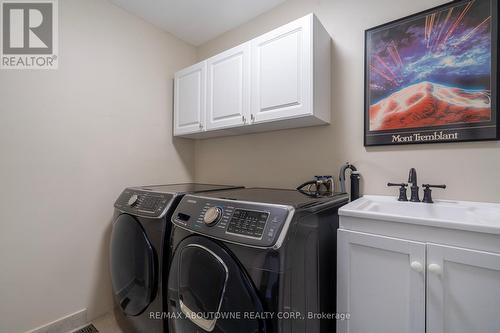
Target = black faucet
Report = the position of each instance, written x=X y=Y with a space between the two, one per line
x=412 y=179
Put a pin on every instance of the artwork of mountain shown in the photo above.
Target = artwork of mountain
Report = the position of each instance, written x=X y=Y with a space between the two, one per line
x=428 y=104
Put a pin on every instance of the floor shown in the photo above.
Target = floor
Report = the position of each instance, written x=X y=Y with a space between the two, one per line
x=107 y=324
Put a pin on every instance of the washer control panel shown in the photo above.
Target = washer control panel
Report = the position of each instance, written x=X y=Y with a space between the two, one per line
x=143 y=203
x=248 y=223
x=239 y=222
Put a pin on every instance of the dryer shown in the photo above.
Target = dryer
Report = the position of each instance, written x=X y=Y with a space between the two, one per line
x=139 y=252
x=253 y=260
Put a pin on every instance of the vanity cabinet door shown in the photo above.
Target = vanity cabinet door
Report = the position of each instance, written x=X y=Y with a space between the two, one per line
x=380 y=283
x=228 y=88
x=282 y=72
x=189 y=99
x=463 y=290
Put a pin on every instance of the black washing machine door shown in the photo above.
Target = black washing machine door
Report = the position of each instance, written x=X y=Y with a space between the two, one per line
x=133 y=265
x=208 y=291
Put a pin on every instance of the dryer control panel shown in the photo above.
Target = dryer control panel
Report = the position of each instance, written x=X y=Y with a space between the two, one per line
x=143 y=203
x=240 y=222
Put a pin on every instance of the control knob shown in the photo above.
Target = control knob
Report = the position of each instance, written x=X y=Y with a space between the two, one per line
x=133 y=200
x=212 y=215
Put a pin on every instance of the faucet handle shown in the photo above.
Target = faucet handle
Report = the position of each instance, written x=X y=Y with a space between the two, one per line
x=428 y=192
x=402 y=190
x=435 y=186
x=397 y=184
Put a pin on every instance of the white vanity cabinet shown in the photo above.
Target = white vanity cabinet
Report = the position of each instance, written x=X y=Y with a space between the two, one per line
x=377 y=286
x=408 y=274
x=278 y=80
x=463 y=290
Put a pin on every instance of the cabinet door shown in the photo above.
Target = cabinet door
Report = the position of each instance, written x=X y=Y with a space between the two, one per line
x=282 y=72
x=380 y=283
x=463 y=290
x=189 y=99
x=228 y=88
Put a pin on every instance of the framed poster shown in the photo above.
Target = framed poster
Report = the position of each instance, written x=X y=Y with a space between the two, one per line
x=432 y=76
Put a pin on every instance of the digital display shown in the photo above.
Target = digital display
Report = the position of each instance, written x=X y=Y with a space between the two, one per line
x=248 y=223
x=148 y=202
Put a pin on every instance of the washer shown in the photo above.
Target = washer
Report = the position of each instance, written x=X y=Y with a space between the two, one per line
x=139 y=251
x=250 y=260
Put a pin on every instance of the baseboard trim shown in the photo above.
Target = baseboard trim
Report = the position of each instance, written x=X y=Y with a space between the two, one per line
x=65 y=324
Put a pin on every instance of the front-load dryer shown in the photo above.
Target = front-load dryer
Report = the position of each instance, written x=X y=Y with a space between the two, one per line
x=253 y=261
x=139 y=252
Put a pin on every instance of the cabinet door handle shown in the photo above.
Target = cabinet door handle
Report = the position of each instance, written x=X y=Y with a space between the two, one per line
x=252 y=117
x=244 y=119
x=434 y=268
x=417 y=266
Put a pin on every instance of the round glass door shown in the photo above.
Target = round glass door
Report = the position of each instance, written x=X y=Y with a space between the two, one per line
x=133 y=265
x=208 y=286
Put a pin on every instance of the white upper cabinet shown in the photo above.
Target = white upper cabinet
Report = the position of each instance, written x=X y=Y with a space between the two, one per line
x=228 y=88
x=278 y=80
x=282 y=73
x=189 y=99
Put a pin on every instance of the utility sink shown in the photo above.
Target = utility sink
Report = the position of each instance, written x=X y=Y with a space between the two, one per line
x=464 y=215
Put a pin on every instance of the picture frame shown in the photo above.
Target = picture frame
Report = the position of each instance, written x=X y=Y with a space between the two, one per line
x=431 y=77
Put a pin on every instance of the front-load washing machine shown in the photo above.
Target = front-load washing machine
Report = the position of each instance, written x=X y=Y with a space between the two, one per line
x=139 y=252
x=254 y=260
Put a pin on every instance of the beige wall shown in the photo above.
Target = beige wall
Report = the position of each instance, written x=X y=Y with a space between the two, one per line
x=70 y=140
x=286 y=158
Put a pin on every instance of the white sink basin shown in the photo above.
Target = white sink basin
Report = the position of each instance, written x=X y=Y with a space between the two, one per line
x=473 y=216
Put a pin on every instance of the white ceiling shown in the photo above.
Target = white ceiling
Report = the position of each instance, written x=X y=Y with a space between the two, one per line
x=197 y=21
